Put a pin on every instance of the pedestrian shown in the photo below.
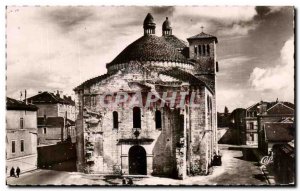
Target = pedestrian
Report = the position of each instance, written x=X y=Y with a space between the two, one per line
x=130 y=182
x=124 y=181
x=18 y=171
x=12 y=172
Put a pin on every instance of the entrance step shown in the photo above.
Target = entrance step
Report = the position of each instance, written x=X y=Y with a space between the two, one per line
x=136 y=176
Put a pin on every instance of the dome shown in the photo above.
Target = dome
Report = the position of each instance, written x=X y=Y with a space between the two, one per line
x=166 y=25
x=149 y=48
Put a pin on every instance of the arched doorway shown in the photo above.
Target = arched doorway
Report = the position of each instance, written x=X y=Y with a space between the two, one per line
x=137 y=160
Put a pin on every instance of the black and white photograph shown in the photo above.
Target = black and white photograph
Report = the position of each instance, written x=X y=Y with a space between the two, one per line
x=150 y=96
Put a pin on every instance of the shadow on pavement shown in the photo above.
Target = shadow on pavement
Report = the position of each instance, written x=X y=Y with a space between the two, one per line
x=68 y=166
x=248 y=155
x=260 y=177
x=235 y=148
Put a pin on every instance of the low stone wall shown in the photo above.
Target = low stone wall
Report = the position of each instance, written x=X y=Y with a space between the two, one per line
x=53 y=154
x=228 y=136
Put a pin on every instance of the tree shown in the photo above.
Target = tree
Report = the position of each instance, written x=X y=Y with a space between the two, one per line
x=226 y=111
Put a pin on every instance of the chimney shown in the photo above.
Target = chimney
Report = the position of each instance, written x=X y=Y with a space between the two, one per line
x=57 y=93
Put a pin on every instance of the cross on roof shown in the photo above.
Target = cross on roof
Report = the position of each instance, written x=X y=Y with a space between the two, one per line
x=202 y=27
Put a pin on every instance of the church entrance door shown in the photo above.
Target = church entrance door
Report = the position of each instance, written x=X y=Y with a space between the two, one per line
x=137 y=160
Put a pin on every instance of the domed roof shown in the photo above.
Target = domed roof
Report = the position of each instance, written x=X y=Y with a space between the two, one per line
x=166 y=25
x=149 y=21
x=149 y=48
x=176 y=42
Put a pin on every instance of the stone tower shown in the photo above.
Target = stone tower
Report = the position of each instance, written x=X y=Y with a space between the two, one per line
x=202 y=50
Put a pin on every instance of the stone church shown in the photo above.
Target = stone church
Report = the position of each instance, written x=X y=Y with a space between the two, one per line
x=166 y=141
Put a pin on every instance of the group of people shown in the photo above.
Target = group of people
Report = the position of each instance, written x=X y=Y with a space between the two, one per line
x=13 y=173
x=128 y=182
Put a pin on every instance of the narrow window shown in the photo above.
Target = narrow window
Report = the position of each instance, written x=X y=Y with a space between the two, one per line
x=158 y=119
x=115 y=120
x=207 y=49
x=94 y=102
x=203 y=49
x=22 y=145
x=181 y=123
x=195 y=50
x=200 y=50
x=136 y=117
x=21 y=122
x=251 y=126
x=45 y=130
x=208 y=104
x=252 y=137
x=13 y=146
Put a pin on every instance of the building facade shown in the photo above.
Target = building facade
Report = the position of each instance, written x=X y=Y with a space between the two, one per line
x=284 y=165
x=55 y=117
x=52 y=130
x=261 y=112
x=53 y=105
x=149 y=139
x=276 y=133
x=238 y=126
x=274 y=112
x=21 y=135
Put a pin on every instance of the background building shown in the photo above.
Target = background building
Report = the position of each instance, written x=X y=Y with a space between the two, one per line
x=53 y=105
x=56 y=117
x=259 y=113
x=21 y=135
x=284 y=163
x=273 y=112
x=163 y=141
x=276 y=133
x=52 y=130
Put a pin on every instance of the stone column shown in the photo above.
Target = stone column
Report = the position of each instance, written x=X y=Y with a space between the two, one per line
x=149 y=164
x=124 y=164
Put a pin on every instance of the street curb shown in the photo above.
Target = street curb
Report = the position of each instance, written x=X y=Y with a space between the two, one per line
x=26 y=172
x=269 y=179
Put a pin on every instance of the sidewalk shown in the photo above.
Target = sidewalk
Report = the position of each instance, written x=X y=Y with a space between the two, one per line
x=23 y=173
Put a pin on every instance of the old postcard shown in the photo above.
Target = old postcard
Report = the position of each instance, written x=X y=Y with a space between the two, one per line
x=162 y=95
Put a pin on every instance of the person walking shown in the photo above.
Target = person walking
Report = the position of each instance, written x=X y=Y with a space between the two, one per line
x=12 y=172
x=130 y=182
x=18 y=171
x=124 y=181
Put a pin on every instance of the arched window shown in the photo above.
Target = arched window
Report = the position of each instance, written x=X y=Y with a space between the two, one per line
x=158 y=119
x=200 y=50
x=115 y=120
x=136 y=117
x=207 y=49
x=203 y=49
x=181 y=123
x=208 y=104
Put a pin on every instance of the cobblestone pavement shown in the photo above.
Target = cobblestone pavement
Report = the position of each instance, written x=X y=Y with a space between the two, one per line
x=239 y=167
